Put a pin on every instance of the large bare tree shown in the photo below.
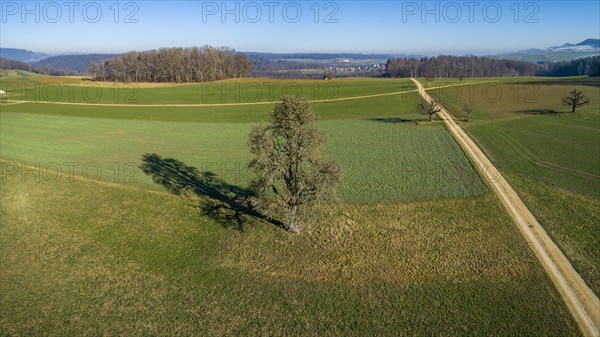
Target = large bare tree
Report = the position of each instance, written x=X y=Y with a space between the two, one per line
x=291 y=171
x=575 y=99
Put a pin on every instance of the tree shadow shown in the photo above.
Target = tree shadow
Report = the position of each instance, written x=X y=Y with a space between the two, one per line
x=225 y=203
x=589 y=81
x=397 y=120
x=538 y=112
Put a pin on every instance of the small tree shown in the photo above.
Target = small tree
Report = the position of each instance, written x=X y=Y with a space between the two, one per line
x=289 y=164
x=467 y=110
x=429 y=108
x=328 y=74
x=575 y=99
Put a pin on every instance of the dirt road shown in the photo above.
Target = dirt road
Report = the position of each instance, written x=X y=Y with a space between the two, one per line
x=580 y=299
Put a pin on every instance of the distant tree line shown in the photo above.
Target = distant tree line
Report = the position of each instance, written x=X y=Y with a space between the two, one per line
x=457 y=67
x=579 y=67
x=15 y=65
x=174 y=65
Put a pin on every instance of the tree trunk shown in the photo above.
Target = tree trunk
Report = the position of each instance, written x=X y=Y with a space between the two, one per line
x=293 y=219
x=573 y=110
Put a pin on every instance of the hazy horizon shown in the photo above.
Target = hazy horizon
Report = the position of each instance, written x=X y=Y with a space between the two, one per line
x=380 y=27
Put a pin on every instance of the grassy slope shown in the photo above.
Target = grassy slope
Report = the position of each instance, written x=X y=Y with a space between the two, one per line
x=13 y=74
x=127 y=262
x=551 y=156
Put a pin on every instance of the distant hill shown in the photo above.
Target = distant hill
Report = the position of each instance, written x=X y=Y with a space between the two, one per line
x=566 y=52
x=595 y=43
x=77 y=64
x=21 y=55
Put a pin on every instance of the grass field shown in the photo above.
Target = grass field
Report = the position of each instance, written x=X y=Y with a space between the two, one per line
x=373 y=152
x=417 y=246
x=550 y=154
x=82 y=90
x=145 y=263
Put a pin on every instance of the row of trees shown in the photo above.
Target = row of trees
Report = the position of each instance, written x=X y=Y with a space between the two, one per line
x=174 y=65
x=457 y=67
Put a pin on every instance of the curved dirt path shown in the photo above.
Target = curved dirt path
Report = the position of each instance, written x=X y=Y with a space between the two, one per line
x=580 y=299
x=239 y=104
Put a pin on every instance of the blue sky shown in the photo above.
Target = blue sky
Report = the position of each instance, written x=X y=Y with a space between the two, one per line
x=420 y=27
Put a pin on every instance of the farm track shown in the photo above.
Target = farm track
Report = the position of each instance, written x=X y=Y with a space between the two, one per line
x=240 y=104
x=579 y=298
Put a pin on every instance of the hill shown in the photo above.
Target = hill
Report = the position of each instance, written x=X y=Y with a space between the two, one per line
x=78 y=64
x=21 y=55
x=566 y=52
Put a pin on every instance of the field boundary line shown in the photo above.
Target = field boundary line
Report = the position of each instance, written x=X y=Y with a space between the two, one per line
x=240 y=104
x=13 y=103
x=579 y=298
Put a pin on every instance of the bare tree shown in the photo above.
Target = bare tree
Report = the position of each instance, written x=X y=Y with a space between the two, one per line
x=575 y=99
x=429 y=108
x=288 y=161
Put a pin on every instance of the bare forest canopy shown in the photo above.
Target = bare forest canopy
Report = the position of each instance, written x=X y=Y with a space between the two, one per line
x=173 y=65
x=473 y=66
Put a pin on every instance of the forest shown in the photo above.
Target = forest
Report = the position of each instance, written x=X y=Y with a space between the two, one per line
x=579 y=67
x=473 y=66
x=457 y=67
x=176 y=65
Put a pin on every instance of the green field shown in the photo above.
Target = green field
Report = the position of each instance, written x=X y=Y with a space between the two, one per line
x=373 y=152
x=551 y=156
x=250 y=90
x=416 y=246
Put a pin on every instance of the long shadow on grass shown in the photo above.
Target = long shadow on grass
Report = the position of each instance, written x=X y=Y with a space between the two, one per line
x=538 y=112
x=226 y=203
x=590 y=81
x=397 y=120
